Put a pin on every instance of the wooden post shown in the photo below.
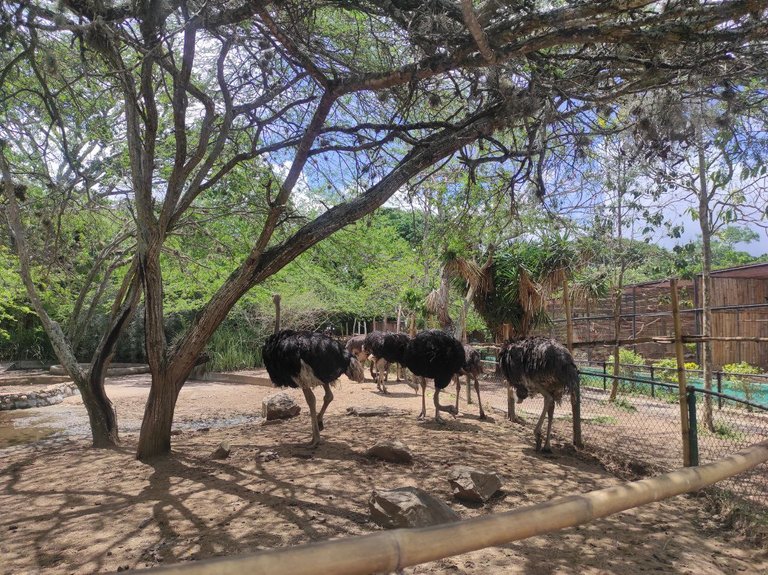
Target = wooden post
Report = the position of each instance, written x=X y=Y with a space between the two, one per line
x=679 y=353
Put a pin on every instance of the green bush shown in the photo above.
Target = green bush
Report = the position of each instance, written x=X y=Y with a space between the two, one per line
x=627 y=358
x=666 y=369
x=735 y=373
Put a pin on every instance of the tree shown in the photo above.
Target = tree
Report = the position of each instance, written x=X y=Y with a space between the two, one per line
x=718 y=173
x=362 y=96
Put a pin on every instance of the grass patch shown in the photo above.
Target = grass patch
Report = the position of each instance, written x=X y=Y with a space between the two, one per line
x=620 y=403
x=602 y=420
x=723 y=431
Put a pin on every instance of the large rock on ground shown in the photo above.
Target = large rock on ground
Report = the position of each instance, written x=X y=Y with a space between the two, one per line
x=473 y=485
x=408 y=507
x=279 y=406
x=392 y=451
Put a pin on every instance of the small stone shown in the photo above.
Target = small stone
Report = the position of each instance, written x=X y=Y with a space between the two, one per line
x=175 y=431
x=268 y=456
x=222 y=451
x=392 y=451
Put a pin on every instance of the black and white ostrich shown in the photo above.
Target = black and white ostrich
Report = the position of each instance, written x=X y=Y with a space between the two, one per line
x=538 y=365
x=472 y=368
x=386 y=348
x=306 y=359
x=438 y=356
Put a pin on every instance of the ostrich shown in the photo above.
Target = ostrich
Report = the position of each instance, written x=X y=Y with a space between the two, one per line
x=436 y=355
x=538 y=365
x=472 y=368
x=305 y=359
x=355 y=347
x=387 y=348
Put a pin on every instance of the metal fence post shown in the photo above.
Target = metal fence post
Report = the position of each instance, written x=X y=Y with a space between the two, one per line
x=693 y=437
x=605 y=371
x=578 y=442
x=653 y=387
x=719 y=375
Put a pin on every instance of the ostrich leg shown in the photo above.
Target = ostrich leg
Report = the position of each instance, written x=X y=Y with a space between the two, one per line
x=550 y=415
x=423 y=413
x=310 y=397
x=438 y=408
x=327 y=399
x=382 y=368
x=458 y=390
x=511 y=405
x=549 y=408
x=479 y=403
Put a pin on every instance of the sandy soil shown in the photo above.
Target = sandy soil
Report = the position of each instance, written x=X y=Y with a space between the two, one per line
x=67 y=508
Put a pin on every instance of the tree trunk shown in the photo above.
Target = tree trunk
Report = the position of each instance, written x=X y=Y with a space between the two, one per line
x=155 y=436
x=621 y=189
x=706 y=269
x=443 y=315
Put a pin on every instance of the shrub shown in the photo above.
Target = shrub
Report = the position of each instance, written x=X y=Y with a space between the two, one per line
x=735 y=373
x=627 y=358
x=666 y=369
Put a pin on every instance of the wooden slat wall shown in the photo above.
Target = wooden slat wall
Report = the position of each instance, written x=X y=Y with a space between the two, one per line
x=656 y=298
x=746 y=322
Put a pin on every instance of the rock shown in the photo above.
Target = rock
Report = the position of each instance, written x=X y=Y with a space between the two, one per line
x=393 y=451
x=222 y=451
x=379 y=411
x=268 y=456
x=279 y=406
x=408 y=507
x=473 y=485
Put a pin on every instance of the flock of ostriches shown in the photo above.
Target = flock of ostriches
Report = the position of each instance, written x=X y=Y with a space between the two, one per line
x=306 y=360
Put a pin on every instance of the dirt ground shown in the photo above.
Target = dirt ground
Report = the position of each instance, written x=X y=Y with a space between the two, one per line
x=68 y=508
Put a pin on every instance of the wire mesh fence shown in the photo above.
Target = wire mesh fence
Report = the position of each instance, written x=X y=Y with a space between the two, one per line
x=640 y=430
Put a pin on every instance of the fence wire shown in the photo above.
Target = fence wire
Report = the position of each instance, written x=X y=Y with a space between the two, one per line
x=640 y=431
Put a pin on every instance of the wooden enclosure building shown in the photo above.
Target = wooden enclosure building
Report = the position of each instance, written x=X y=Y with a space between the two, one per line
x=739 y=308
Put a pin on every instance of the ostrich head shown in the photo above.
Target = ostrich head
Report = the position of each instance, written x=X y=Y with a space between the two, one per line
x=355 y=370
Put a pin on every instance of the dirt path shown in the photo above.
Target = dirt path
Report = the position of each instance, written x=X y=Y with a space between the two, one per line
x=67 y=508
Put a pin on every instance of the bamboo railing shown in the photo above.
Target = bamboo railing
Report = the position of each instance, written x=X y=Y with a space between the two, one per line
x=389 y=551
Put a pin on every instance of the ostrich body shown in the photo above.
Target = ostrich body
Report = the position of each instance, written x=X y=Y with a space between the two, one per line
x=472 y=368
x=303 y=359
x=538 y=365
x=438 y=356
x=386 y=348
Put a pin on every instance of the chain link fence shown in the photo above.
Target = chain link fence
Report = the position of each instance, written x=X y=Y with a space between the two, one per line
x=640 y=431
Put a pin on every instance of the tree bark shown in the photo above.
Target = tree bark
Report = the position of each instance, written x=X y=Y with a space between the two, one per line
x=155 y=436
x=705 y=226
